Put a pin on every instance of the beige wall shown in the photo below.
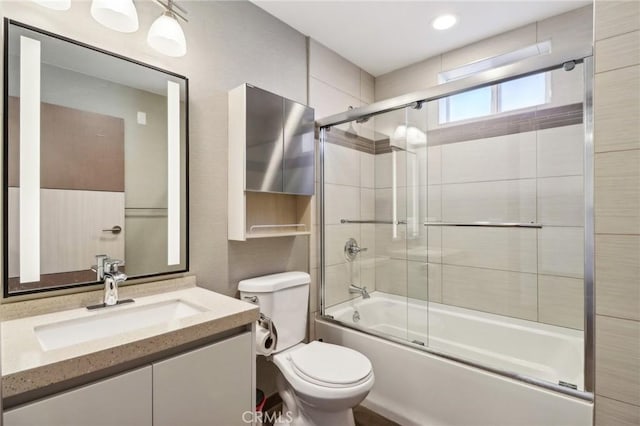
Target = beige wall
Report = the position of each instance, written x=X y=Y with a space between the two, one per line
x=617 y=212
x=229 y=43
x=223 y=52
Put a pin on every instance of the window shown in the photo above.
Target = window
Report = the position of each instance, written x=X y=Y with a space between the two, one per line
x=516 y=94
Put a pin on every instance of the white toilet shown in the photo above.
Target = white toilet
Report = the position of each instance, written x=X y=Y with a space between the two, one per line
x=319 y=383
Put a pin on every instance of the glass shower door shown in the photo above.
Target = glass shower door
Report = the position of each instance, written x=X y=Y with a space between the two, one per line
x=503 y=227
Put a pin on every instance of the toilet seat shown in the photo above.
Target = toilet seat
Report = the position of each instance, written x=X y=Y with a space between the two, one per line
x=328 y=365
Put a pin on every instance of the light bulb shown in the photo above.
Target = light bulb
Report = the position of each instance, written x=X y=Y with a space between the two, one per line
x=118 y=15
x=166 y=36
x=444 y=22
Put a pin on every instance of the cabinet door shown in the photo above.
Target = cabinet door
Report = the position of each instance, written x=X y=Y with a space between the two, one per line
x=120 y=400
x=263 y=141
x=299 y=160
x=208 y=386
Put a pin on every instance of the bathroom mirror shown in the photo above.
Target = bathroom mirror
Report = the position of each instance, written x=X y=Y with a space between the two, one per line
x=95 y=162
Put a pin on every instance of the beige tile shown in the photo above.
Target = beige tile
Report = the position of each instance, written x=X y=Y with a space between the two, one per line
x=561 y=201
x=566 y=87
x=335 y=238
x=337 y=282
x=424 y=281
x=568 y=29
x=618 y=359
x=510 y=156
x=616 y=17
x=417 y=280
x=497 y=201
x=489 y=47
x=341 y=202
x=384 y=204
x=391 y=276
x=435 y=282
x=616 y=110
x=367 y=87
x=341 y=165
x=617 y=192
x=618 y=52
x=327 y=100
x=331 y=68
x=500 y=292
x=387 y=245
x=495 y=248
x=561 y=251
x=314 y=291
x=610 y=412
x=367 y=170
x=618 y=276
x=409 y=79
x=434 y=244
x=431 y=204
x=561 y=301
x=384 y=169
x=314 y=247
x=367 y=204
x=433 y=175
x=561 y=151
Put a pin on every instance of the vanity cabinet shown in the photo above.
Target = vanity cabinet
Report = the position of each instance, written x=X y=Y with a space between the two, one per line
x=121 y=400
x=208 y=386
x=212 y=385
x=271 y=165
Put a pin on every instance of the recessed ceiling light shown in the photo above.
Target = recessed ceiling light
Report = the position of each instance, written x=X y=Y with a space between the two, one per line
x=444 y=22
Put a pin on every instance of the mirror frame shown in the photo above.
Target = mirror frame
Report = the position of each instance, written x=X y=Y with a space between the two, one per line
x=5 y=162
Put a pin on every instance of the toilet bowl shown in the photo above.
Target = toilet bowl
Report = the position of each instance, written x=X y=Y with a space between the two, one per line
x=321 y=382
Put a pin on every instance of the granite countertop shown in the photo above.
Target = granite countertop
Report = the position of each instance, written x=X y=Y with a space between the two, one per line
x=27 y=368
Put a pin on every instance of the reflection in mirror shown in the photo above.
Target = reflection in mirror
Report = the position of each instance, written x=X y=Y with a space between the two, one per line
x=95 y=163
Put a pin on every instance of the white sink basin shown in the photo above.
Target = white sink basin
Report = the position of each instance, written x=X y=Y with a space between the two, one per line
x=111 y=322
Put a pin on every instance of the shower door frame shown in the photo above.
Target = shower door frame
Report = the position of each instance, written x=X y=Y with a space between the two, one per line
x=579 y=53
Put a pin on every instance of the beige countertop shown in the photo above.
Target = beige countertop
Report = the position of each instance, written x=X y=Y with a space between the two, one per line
x=28 y=368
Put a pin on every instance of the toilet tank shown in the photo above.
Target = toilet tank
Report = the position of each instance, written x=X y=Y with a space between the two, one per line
x=284 y=298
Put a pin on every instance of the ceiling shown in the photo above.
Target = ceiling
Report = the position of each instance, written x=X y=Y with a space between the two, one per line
x=381 y=36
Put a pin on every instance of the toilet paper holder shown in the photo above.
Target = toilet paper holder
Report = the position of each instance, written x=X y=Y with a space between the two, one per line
x=266 y=322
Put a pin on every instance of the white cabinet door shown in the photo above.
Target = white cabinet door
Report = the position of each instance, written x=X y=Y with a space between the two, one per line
x=123 y=400
x=208 y=386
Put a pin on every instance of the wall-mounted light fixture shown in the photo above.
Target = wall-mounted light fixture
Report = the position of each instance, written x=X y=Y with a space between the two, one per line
x=118 y=15
x=55 y=4
x=166 y=35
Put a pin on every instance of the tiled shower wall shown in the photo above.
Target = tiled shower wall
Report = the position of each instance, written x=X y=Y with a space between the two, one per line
x=335 y=84
x=617 y=212
x=534 y=176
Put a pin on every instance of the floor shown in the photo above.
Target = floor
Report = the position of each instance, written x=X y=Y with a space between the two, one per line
x=363 y=417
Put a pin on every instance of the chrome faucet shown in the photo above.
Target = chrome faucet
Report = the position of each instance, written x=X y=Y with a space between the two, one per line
x=354 y=289
x=107 y=270
x=112 y=279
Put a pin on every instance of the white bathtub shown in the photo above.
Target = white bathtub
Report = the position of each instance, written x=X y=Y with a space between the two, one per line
x=416 y=387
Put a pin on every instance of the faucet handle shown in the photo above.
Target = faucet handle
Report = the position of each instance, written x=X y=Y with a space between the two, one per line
x=111 y=265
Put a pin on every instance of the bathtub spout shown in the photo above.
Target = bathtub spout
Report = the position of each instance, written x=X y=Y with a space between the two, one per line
x=354 y=289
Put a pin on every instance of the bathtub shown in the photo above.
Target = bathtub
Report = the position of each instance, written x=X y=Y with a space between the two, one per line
x=416 y=387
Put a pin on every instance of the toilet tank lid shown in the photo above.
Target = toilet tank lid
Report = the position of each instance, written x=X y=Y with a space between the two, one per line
x=274 y=282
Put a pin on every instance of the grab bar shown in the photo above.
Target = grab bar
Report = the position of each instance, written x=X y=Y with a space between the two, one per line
x=387 y=222
x=486 y=224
